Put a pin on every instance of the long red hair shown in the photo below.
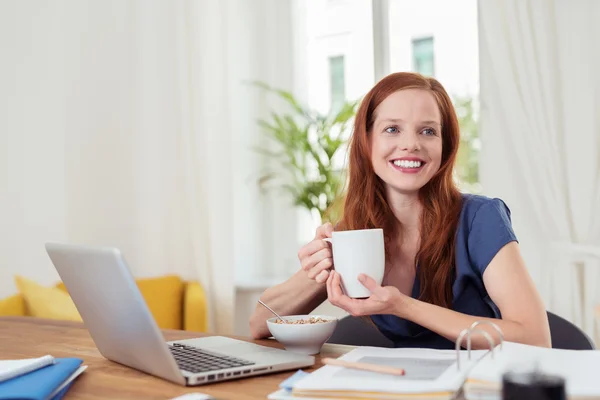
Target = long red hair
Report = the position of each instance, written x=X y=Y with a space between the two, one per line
x=366 y=205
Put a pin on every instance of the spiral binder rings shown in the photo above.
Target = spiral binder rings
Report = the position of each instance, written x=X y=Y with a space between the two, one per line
x=473 y=329
x=460 y=373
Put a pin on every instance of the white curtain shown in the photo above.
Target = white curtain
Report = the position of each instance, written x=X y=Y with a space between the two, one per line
x=540 y=128
x=131 y=124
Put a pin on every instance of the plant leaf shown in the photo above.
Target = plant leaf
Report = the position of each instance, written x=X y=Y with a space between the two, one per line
x=305 y=142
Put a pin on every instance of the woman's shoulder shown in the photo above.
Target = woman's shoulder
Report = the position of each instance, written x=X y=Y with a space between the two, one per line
x=480 y=206
x=485 y=228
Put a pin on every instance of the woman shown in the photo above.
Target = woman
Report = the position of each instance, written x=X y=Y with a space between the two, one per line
x=451 y=258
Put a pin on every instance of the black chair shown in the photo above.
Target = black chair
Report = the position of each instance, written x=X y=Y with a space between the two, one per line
x=357 y=332
x=566 y=335
x=354 y=331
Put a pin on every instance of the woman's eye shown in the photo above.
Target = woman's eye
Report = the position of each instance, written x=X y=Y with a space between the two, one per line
x=391 y=129
x=429 y=132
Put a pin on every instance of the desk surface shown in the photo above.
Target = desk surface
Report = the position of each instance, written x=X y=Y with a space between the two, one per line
x=22 y=337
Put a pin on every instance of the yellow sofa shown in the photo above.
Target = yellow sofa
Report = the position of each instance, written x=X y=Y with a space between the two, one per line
x=174 y=303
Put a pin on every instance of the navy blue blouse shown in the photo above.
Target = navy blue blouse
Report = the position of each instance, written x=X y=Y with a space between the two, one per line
x=484 y=228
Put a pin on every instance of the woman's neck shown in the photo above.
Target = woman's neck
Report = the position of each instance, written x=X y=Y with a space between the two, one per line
x=407 y=210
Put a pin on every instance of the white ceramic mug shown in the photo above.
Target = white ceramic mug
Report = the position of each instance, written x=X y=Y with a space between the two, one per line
x=358 y=252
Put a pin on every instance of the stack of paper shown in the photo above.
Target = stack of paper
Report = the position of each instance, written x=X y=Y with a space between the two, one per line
x=579 y=368
x=43 y=378
x=430 y=374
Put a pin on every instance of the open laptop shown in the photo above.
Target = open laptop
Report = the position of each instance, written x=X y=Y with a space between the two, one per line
x=122 y=327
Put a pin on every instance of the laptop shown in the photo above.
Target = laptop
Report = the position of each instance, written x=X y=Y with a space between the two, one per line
x=124 y=331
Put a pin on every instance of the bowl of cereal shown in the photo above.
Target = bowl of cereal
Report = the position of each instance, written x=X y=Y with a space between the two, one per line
x=304 y=334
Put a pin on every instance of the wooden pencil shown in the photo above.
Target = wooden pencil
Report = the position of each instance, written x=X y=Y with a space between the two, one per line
x=364 y=366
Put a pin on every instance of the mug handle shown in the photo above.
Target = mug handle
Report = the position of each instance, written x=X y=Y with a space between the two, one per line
x=330 y=240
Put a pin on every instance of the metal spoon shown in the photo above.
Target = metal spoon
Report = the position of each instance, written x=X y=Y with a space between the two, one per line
x=269 y=308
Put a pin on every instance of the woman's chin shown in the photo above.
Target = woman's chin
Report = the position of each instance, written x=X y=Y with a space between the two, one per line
x=405 y=184
x=405 y=189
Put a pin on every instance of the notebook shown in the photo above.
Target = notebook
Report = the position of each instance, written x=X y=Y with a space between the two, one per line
x=46 y=383
x=60 y=391
x=430 y=374
x=13 y=368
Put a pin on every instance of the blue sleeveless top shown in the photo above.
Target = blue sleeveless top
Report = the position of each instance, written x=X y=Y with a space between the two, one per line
x=484 y=228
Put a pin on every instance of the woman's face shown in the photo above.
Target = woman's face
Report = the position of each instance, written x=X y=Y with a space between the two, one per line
x=406 y=141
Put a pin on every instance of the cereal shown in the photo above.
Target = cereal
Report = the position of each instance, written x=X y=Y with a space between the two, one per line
x=311 y=320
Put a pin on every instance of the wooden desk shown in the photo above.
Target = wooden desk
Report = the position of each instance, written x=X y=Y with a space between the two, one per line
x=22 y=337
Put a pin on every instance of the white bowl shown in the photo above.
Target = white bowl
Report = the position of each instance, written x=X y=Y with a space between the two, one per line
x=302 y=338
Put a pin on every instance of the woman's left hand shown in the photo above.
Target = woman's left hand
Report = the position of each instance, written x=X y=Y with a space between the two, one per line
x=383 y=300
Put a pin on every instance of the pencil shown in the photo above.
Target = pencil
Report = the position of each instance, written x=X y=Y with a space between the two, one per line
x=364 y=366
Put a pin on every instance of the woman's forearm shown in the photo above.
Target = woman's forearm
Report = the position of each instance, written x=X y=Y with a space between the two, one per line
x=450 y=324
x=297 y=295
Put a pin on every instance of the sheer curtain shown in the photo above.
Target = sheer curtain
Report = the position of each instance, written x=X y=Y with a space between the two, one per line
x=130 y=124
x=540 y=129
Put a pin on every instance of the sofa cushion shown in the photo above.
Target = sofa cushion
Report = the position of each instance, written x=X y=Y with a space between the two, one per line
x=195 y=309
x=13 y=305
x=46 y=302
x=164 y=297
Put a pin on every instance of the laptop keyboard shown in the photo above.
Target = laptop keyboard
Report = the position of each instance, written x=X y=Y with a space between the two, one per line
x=195 y=360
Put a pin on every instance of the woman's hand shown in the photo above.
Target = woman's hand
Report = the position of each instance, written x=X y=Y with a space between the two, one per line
x=316 y=257
x=383 y=300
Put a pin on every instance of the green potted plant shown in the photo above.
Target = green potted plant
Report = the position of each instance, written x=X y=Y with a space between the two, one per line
x=305 y=145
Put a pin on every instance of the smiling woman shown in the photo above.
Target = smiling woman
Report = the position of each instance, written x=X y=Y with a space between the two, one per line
x=451 y=258
x=406 y=117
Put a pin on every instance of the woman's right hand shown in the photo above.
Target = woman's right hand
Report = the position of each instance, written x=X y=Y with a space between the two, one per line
x=302 y=292
x=316 y=257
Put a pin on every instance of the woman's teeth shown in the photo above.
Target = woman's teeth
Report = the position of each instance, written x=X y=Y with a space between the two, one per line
x=407 y=164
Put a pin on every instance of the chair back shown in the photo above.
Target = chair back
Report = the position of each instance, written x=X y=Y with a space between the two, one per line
x=568 y=336
x=357 y=332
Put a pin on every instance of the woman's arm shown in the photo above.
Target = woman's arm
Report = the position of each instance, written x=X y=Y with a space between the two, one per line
x=506 y=279
x=510 y=286
x=298 y=295
x=304 y=291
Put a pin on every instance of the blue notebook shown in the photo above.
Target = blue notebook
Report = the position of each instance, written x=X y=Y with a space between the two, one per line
x=41 y=384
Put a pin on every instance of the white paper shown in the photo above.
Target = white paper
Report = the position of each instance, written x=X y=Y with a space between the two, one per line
x=74 y=375
x=445 y=377
x=12 y=368
x=415 y=368
x=282 y=394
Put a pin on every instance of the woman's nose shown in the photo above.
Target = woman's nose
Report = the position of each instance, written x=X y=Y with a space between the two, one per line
x=409 y=142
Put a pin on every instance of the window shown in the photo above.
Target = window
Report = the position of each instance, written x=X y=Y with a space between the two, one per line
x=423 y=59
x=337 y=81
x=467 y=161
